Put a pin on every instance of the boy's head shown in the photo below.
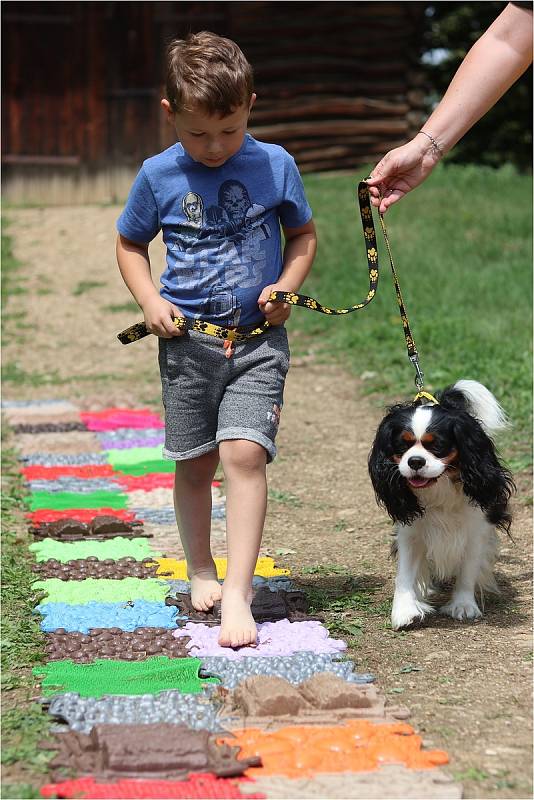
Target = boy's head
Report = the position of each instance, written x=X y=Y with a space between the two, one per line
x=210 y=91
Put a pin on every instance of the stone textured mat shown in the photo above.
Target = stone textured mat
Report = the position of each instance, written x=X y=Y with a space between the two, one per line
x=354 y=746
x=27 y=417
x=295 y=668
x=103 y=676
x=61 y=459
x=156 y=751
x=392 y=782
x=197 y=711
x=113 y=643
x=109 y=419
x=325 y=698
x=127 y=616
x=128 y=435
x=202 y=786
x=107 y=591
x=67 y=500
x=75 y=442
x=71 y=484
x=48 y=427
x=177 y=570
x=87 y=523
x=282 y=638
x=266 y=606
x=115 y=548
x=80 y=569
x=109 y=443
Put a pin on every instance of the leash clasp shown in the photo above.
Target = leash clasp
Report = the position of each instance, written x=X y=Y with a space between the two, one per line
x=419 y=374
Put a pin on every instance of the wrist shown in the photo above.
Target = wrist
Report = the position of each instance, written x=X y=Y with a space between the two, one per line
x=434 y=146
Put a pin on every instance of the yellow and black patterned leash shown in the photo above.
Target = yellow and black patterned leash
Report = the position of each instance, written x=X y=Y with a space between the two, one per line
x=241 y=334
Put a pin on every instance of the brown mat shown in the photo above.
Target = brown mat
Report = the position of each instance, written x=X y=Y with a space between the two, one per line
x=157 y=750
x=102 y=527
x=393 y=782
x=266 y=606
x=269 y=702
x=114 y=643
x=80 y=568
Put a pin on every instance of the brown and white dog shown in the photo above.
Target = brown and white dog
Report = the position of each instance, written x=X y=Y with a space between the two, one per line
x=435 y=470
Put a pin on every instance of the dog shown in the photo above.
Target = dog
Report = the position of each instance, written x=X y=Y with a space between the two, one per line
x=434 y=468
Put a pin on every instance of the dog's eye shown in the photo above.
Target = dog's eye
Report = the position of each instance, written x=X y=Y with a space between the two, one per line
x=439 y=447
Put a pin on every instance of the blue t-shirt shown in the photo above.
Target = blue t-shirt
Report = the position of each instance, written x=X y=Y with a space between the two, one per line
x=221 y=226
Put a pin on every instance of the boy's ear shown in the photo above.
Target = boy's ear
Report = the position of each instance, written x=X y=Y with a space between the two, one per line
x=252 y=101
x=166 y=106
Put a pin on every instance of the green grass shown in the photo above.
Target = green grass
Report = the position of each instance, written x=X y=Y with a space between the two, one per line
x=86 y=286
x=462 y=248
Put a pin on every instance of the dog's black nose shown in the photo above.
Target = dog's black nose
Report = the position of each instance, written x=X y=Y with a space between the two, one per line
x=416 y=462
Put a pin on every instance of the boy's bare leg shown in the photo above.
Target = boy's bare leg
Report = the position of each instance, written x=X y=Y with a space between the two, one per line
x=246 y=503
x=192 y=503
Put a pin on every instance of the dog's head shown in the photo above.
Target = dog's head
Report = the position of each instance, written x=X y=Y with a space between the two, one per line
x=417 y=445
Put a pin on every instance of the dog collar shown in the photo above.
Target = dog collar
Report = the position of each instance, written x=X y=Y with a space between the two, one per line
x=426 y=396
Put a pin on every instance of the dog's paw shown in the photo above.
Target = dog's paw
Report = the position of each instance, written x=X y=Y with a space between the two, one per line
x=407 y=611
x=462 y=608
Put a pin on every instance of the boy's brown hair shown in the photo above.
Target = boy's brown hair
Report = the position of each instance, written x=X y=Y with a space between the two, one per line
x=208 y=72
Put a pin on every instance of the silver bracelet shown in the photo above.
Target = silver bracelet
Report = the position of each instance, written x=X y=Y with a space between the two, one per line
x=435 y=145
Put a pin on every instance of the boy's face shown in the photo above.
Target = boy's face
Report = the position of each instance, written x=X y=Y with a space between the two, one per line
x=210 y=139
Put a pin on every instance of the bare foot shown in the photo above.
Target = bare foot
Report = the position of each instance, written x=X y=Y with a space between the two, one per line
x=238 y=628
x=205 y=589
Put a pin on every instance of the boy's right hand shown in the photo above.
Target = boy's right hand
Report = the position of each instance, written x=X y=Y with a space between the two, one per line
x=159 y=315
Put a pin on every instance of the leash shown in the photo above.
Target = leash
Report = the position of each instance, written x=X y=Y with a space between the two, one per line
x=242 y=334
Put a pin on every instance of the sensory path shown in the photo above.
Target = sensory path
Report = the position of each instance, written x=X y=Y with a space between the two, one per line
x=143 y=702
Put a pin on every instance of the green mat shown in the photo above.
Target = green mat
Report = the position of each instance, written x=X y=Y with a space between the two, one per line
x=103 y=590
x=105 y=676
x=139 y=460
x=118 y=547
x=62 y=500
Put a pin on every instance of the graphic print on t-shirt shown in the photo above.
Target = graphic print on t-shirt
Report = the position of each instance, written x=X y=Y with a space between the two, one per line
x=221 y=247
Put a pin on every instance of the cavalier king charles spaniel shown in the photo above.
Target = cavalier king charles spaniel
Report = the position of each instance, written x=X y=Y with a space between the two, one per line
x=435 y=470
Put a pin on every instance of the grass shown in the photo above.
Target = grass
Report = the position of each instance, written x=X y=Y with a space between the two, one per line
x=462 y=248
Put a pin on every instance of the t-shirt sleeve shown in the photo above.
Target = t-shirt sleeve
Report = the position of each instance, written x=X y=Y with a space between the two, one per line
x=294 y=210
x=140 y=220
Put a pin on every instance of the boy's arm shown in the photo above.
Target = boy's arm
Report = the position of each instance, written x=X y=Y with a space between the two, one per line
x=134 y=265
x=299 y=252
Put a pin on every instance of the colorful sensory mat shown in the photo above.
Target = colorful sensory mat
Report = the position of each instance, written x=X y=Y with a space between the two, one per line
x=143 y=702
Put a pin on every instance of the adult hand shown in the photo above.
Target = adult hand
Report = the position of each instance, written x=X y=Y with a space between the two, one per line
x=400 y=171
x=275 y=313
x=159 y=315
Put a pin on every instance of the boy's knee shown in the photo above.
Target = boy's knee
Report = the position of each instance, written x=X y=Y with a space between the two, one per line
x=197 y=471
x=242 y=455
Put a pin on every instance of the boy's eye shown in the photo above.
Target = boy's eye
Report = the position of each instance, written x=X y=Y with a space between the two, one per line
x=196 y=135
x=229 y=133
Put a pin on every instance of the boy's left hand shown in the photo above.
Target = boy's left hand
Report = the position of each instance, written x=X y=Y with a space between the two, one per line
x=275 y=313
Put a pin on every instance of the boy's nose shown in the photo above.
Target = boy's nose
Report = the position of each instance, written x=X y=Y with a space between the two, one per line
x=214 y=146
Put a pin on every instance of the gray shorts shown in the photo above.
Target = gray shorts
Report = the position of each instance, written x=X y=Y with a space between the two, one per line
x=209 y=398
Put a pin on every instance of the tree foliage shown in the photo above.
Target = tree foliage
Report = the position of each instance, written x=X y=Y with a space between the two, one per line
x=504 y=134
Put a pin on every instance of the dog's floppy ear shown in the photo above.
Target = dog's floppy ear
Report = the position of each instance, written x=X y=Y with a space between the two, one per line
x=485 y=481
x=391 y=488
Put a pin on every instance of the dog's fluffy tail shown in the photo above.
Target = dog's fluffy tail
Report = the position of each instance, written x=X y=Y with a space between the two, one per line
x=483 y=406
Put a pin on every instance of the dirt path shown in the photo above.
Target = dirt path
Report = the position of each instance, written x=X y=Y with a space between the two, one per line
x=467 y=686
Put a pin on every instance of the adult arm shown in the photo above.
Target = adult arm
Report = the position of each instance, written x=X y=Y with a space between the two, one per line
x=492 y=65
x=299 y=252
x=134 y=266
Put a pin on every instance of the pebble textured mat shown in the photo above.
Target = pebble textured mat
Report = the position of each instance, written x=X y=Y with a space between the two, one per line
x=142 y=701
x=114 y=643
x=197 y=711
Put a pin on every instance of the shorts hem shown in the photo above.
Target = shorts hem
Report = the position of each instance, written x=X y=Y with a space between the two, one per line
x=251 y=435
x=186 y=454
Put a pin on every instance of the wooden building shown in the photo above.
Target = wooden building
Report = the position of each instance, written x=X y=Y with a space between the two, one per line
x=337 y=85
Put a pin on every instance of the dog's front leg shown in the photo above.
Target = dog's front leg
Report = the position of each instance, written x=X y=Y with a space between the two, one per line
x=462 y=604
x=407 y=608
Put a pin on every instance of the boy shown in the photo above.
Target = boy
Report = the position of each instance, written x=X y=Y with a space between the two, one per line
x=219 y=198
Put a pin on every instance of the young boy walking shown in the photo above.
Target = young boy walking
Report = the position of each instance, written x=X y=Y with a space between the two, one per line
x=219 y=198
